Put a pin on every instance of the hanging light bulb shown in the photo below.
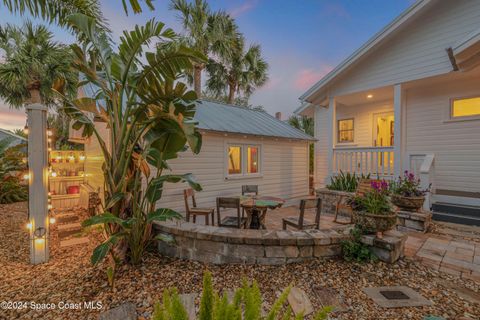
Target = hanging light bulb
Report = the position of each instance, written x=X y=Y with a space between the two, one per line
x=29 y=226
x=49 y=132
x=26 y=176
x=52 y=220
x=25 y=129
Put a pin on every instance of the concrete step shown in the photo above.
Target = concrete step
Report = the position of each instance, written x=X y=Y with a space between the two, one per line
x=73 y=242
x=68 y=233
x=452 y=208
x=456 y=218
x=66 y=218
x=69 y=226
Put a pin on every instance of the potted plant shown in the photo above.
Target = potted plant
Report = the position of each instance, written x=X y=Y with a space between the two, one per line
x=406 y=193
x=372 y=211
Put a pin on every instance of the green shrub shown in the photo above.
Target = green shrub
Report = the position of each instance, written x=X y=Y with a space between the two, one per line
x=11 y=166
x=355 y=250
x=346 y=182
x=246 y=305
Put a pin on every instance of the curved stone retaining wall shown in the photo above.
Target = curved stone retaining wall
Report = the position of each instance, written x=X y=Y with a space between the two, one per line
x=217 y=245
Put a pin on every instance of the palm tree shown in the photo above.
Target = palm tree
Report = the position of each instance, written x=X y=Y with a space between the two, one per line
x=33 y=64
x=207 y=32
x=237 y=71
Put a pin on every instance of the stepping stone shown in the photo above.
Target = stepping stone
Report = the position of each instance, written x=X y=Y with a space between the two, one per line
x=330 y=297
x=69 y=226
x=396 y=297
x=73 y=242
x=126 y=311
x=188 y=301
x=67 y=233
x=299 y=302
x=66 y=218
x=464 y=293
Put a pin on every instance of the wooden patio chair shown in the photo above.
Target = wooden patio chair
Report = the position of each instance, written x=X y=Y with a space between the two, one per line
x=364 y=186
x=196 y=211
x=300 y=222
x=249 y=190
x=230 y=222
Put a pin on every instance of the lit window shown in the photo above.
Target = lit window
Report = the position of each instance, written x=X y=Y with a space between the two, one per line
x=243 y=160
x=466 y=107
x=345 y=130
x=252 y=160
x=234 y=160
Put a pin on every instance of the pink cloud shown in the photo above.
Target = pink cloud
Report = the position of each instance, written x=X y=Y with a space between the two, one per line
x=305 y=78
x=245 y=7
x=12 y=119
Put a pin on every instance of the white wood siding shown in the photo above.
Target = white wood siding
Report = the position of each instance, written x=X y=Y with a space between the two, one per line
x=456 y=145
x=321 y=146
x=284 y=168
x=417 y=51
x=363 y=121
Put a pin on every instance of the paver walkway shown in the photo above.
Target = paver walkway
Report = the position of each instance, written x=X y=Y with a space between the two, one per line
x=444 y=253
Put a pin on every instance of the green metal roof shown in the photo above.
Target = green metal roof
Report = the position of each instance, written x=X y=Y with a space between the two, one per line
x=221 y=117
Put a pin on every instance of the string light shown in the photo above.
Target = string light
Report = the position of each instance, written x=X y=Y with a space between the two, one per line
x=52 y=220
x=29 y=226
x=26 y=176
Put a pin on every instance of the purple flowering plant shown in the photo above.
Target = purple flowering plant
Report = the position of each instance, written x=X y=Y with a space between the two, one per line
x=375 y=201
x=408 y=186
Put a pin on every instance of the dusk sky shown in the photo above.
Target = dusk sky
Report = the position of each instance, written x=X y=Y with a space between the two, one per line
x=301 y=40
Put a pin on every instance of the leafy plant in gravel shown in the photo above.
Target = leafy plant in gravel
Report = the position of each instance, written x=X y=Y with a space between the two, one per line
x=246 y=304
x=149 y=116
x=346 y=182
x=11 y=167
x=354 y=249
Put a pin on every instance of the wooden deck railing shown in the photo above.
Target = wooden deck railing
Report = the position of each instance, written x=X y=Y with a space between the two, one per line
x=376 y=161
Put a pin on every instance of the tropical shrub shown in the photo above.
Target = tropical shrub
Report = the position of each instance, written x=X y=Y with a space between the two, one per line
x=149 y=116
x=346 y=182
x=375 y=201
x=354 y=249
x=246 y=304
x=408 y=186
x=11 y=168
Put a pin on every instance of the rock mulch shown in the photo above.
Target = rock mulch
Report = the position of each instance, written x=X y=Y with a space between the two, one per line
x=69 y=277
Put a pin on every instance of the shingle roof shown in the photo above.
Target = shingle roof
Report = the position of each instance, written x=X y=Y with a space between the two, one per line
x=15 y=138
x=233 y=119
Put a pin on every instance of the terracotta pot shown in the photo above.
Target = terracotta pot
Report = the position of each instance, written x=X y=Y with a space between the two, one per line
x=374 y=222
x=407 y=203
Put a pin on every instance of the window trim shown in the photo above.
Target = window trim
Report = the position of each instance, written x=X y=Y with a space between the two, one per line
x=353 y=131
x=244 y=155
x=452 y=118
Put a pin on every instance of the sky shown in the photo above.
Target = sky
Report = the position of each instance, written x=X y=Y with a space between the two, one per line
x=302 y=40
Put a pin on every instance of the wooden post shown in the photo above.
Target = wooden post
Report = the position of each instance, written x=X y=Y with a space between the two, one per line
x=398 y=149
x=38 y=183
x=332 y=129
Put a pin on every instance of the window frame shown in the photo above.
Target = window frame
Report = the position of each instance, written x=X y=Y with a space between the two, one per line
x=461 y=118
x=353 y=130
x=244 y=160
x=228 y=160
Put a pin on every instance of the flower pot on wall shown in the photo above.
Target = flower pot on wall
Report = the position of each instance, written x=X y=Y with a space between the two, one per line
x=407 y=203
x=374 y=222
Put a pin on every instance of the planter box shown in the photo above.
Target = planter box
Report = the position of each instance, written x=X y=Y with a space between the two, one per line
x=330 y=199
x=408 y=221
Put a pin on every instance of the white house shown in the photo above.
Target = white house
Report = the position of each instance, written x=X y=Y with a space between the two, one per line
x=408 y=99
x=240 y=147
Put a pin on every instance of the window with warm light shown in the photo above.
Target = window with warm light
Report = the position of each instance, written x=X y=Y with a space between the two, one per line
x=468 y=107
x=345 y=130
x=243 y=160
x=234 y=160
x=252 y=160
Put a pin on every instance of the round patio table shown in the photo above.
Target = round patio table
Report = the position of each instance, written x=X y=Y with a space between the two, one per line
x=256 y=208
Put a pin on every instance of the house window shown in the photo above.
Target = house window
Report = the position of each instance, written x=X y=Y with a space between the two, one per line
x=252 y=160
x=243 y=160
x=468 y=107
x=345 y=130
x=234 y=160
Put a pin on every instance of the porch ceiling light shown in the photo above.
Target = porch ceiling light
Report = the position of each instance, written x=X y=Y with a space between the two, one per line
x=369 y=96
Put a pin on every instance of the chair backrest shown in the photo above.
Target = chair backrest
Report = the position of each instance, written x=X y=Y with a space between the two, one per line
x=305 y=204
x=189 y=193
x=250 y=189
x=228 y=203
x=364 y=186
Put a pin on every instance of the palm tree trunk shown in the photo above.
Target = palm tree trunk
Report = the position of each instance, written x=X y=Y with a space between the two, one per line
x=231 y=93
x=197 y=80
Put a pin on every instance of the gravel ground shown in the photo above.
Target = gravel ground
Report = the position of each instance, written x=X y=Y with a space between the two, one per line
x=69 y=277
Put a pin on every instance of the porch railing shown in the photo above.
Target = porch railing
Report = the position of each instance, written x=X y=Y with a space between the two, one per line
x=376 y=161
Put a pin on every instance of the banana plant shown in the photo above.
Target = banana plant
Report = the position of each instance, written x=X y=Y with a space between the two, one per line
x=148 y=110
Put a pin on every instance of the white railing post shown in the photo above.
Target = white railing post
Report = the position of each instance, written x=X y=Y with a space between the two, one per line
x=38 y=183
x=398 y=102
x=332 y=105
x=426 y=178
